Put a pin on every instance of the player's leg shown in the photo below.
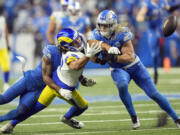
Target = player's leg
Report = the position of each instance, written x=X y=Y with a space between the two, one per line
x=121 y=79
x=143 y=79
x=79 y=106
x=45 y=98
x=4 y=62
x=154 y=50
x=17 y=89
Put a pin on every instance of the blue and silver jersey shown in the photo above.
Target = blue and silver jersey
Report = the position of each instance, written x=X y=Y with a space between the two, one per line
x=79 y=25
x=36 y=81
x=117 y=40
x=155 y=12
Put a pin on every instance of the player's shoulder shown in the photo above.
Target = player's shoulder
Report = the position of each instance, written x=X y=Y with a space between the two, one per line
x=123 y=33
x=50 y=49
x=95 y=35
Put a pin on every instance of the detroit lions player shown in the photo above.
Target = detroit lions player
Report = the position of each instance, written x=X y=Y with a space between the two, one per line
x=4 y=47
x=153 y=12
x=71 y=45
x=75 y=19
x=127 y=66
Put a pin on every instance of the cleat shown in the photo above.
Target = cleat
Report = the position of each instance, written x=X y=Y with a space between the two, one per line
x=178 y=122
x=72 y=122
x=7 y=129
x=135 y=122
x=5 y=87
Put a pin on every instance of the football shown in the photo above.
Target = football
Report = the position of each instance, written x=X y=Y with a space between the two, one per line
x=169 y=26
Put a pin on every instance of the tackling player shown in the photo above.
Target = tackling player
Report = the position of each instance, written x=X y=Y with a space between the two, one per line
x=127 y=65
x=4 y=47
x=71 y=44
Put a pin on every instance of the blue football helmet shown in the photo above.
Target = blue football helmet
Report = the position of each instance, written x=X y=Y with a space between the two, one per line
x=70 y=40
x=108 y=18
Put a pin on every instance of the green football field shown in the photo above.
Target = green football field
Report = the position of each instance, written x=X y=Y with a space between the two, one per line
x=104 y=116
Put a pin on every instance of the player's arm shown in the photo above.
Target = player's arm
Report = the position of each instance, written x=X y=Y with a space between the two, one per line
x=7 y=36
x=50 y=31
x=141 y=15
x=79 y=63
x=47 y=72
x=127 y=53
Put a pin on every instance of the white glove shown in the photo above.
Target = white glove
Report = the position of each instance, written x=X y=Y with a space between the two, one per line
x=93 y=49
x=114 y=50
x=67 y=94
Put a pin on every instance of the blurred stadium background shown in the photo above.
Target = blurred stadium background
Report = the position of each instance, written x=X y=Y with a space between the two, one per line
x=27 y=23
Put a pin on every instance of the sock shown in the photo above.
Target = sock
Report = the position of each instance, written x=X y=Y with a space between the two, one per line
x=74 y=111
x=6 y=77
x=38 y=107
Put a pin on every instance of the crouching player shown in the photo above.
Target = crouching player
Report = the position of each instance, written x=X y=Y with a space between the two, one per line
x=71 y=45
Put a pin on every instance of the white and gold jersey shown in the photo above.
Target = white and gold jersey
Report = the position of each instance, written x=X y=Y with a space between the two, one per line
x=2 y=32
x=65 y=74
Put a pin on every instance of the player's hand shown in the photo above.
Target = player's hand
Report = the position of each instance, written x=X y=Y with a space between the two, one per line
x=87 y=82
x=93 y=49
x=67 y=94
x=114 y=50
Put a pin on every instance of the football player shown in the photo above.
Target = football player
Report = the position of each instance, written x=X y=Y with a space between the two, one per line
x=71 y=45
x=127 y=65
x=56 y=21
x=31 y=84
x=153 y=11
x=4 y=48
x=75 y=19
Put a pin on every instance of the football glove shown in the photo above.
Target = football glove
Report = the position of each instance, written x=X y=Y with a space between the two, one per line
x=67 y=94
x=114 y=50
x=93 y=49
x=110 y=58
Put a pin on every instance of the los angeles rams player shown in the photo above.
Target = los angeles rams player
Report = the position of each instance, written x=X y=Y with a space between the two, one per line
x=30 y=86
x=127 y=66
x=56 y=21
x=4 y=46
x=71 y=45
x=153 y=11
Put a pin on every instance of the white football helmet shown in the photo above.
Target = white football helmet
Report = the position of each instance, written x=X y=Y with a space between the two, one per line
x=74 y=10
x=109 y=18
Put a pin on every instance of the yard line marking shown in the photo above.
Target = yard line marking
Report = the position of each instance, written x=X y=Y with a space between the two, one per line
x=106 y=113
x=100 y=132
x=92 y=121
x=52 y=109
